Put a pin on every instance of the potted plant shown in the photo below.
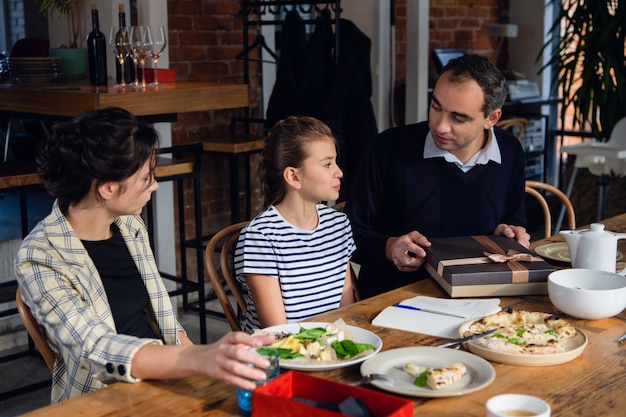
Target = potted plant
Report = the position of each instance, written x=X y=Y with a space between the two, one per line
x=589 y=63
x=74 y=59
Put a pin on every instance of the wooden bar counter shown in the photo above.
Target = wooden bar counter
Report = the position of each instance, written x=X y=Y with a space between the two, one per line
x=590 y=385
x=69 y=100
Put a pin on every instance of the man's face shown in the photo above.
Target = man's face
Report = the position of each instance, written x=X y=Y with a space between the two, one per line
x=455 y=117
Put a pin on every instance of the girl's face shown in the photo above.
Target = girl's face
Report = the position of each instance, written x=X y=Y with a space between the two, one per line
x=320 y=176
x=136 y=191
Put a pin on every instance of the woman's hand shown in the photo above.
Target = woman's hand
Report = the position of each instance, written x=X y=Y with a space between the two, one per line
x=227 y=359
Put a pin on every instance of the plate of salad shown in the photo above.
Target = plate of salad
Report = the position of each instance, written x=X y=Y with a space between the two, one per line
x=320 y=346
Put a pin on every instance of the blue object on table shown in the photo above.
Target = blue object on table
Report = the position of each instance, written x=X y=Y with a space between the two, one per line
x=244 y=396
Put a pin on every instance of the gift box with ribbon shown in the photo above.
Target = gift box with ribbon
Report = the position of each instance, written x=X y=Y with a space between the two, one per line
x=485 y=266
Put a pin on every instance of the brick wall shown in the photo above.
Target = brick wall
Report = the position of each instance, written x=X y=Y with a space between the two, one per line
x=15 y=21
x=204 y=38
x=24 y=20
x=453 y=24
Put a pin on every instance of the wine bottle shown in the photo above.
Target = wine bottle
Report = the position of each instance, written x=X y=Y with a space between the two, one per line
x=96 y=49
x=121 y=38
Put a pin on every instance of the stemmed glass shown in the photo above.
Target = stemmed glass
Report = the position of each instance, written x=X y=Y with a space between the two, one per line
x=158 y=40
x=121 y=48
x=141 y=49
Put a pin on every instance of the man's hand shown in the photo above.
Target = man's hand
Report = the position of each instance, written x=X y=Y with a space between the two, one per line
x=406 y=251
x=514 y=232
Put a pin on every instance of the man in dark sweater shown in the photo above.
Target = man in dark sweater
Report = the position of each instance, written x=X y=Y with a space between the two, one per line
x=456 y=175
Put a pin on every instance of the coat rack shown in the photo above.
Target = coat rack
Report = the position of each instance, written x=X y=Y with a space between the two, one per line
x=252 y=12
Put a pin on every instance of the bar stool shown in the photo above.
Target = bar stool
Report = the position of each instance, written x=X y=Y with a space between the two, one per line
x=18 y=176
x=184 y=165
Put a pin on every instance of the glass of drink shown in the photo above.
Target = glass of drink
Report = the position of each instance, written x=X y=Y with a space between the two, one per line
x=141 y=49
x=118 y=42
x=157 y=40
x=244 y=397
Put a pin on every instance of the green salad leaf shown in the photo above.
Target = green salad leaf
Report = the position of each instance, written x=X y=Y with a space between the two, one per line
x=311 y=334
x=421 y=380
x=347 y=349
x=284 y=353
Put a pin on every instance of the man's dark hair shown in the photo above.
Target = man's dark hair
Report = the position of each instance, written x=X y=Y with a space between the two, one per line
x=488 y=77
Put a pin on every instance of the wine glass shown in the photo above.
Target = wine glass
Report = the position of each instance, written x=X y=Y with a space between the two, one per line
x=141 y=49
x=118 y=42
x=158 y=41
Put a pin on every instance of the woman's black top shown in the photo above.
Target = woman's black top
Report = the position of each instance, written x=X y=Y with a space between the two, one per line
x=125 y=289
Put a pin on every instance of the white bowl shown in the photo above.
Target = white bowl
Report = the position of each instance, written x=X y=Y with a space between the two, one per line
x=587 y=293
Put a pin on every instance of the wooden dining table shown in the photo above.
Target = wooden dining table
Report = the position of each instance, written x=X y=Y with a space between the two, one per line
x=589 y=385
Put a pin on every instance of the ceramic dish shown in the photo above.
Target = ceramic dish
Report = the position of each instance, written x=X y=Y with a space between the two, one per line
x=301 y=364
x=560 y=252
x=480 y=373
x=574 y=347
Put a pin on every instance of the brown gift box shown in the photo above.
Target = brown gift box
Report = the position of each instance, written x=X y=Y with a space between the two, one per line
x=461 y=266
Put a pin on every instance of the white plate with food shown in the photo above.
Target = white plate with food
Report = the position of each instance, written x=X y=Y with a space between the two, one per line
x=560 y=252
x=400 y=365
x=367 y=343
x=525 y=338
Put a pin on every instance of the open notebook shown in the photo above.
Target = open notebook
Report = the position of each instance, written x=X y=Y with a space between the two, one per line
x=440 y=319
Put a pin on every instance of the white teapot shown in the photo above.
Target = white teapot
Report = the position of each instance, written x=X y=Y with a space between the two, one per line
x=593 y=248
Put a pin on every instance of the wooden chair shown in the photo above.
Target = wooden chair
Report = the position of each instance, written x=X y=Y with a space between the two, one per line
x=221 y=273
x=34 y=331
x=516 y=125
x=532 y=189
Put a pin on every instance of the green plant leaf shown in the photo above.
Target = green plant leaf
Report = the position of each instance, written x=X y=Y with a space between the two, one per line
x=587 y=59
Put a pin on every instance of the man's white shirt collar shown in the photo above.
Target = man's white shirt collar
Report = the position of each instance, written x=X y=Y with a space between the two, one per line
x=491 y=152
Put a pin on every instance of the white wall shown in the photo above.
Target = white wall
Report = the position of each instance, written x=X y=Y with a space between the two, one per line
x=417 y=16
x=532 y=28
x=373 y=17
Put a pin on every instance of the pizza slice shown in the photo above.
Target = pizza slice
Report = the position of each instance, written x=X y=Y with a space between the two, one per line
x=435 y=378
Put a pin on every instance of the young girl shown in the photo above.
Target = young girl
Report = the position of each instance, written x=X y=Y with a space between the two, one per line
x=294 y=257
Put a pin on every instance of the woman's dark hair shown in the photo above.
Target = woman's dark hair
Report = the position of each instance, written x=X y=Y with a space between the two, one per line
x=94 y=147
x=488 y=77
x=285 y=146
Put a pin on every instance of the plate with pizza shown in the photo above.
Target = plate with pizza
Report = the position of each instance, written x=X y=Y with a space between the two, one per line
x=526 y=338
x=431 y=372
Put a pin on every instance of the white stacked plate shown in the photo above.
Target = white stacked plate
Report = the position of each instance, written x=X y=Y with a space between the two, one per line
x=35 y=69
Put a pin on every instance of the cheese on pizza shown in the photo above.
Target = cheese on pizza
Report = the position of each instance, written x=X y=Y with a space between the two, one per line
x=436 y=378
x=521 y=331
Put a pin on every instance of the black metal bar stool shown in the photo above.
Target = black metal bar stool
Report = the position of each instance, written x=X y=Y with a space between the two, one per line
x=18 y=176
x=184 y=165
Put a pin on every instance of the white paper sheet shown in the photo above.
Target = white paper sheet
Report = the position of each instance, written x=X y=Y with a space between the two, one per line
x=432 y=323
